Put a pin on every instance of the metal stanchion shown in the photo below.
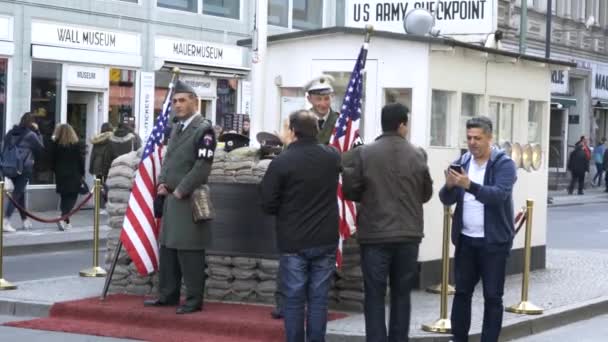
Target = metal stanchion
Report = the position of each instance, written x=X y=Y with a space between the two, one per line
x=95 y=271
x=443 y=324
x=525 y=307
x=4 y=285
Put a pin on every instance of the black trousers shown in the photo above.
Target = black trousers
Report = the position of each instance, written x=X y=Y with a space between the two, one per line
x=398 y=263
x=474 y=260
x=67 y=202
x=175 y=264
x=577 y=177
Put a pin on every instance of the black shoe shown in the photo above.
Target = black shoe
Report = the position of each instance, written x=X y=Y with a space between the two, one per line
x=277 y=313
x=581 y=193
x=157 y=302
x=186 y=309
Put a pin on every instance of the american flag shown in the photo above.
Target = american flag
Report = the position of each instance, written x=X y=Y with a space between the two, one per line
x=345 y=136
x=140 y=228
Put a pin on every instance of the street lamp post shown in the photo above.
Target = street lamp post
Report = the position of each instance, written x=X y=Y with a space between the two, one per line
x=548 y=29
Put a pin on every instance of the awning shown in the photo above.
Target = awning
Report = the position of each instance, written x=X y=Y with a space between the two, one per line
x=205 y=70
x=597 y=103
x=564 y=102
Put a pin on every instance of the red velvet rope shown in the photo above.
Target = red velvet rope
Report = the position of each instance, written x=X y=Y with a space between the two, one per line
x=44 y=220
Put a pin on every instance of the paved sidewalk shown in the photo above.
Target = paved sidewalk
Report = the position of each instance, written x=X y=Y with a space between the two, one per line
x=592 y=196
x=46 y=237
x=564 y=290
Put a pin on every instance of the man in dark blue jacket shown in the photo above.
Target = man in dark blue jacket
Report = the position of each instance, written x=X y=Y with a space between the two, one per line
x=299 y=188
x=481 y=184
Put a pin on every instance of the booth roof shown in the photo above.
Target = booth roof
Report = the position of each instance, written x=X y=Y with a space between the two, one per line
x=403 y=36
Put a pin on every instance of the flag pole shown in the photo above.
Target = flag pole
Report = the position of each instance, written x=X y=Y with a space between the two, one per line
x=106 y=286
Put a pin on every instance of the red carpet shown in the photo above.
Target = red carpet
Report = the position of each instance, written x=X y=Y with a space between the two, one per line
x=124 y=316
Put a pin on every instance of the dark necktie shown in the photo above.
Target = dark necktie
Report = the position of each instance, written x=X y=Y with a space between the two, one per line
x=321 y=122
x=180 y=128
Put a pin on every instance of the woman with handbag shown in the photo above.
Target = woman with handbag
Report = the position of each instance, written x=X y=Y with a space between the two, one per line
x=68 y=155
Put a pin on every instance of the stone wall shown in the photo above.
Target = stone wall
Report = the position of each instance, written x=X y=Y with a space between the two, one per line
x=228 y=278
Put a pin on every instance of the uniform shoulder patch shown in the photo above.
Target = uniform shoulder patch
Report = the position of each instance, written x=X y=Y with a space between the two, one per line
x=205 y=148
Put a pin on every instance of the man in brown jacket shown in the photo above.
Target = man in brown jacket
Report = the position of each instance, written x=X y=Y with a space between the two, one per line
x=186 y=166
x=391 y=181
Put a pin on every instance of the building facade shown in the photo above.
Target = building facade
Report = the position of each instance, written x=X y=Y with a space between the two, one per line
x=580 y=95
x=88 y=62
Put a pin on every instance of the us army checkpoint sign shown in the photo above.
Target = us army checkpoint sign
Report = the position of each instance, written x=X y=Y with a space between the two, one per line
x=453 y=17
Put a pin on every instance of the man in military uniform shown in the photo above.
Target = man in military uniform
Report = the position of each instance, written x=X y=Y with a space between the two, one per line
x=186 y=166
x=320 y=92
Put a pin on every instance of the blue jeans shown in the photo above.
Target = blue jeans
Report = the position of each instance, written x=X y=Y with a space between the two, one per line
x=475 y=259
x=598 y=174
x=306 y=278
x=18 y=194
x=399 y=263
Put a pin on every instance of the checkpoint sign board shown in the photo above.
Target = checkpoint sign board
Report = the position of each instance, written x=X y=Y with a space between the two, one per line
x=452 y=17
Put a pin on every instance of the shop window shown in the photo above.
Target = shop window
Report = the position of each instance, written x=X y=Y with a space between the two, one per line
x=225 y=106
x=278 y=12
x=222 y=8
x=440 y=113
x=535 y=122
x=307 y=14
x=45 y=104
x=122 y=96
x=3 y=87
x=501 y=114
x=470 y=106
x=183 y=5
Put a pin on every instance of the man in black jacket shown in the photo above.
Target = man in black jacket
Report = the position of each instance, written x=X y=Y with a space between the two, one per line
x=299 y=188
x=391 y=181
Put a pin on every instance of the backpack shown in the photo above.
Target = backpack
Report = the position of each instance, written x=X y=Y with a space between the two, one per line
x=13 y=158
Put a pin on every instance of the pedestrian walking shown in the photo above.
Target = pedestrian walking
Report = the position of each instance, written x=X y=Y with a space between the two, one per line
x=20 y=144
x=391 y=181
x=598 y=158
x=68 y=156
x=122 y=141
x=578 y=165
x=480 y=183
x=183 y=241
x=100 y=163
x=299 y=188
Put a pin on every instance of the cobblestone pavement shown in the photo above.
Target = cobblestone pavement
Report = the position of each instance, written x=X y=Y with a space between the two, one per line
x=559 y=286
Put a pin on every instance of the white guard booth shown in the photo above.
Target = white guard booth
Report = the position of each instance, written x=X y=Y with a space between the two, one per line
x=443 y=82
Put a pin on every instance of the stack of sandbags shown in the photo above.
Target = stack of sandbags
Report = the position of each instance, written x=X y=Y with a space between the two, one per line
x=267 y=274
x=235 y=166
x=349 y=279
x=259 y=170
x=246 y=280
x=219 y=277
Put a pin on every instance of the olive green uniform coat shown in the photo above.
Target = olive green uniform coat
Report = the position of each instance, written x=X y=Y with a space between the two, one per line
x=183 y=171
x=328 y=126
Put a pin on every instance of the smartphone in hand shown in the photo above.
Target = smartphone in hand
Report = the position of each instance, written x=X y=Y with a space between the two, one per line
x=456 y=167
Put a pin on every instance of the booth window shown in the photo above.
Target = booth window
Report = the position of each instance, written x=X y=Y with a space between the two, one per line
x=440 y=110
x=502 y=114
x=470 y=106
x=45 y=104
x=222 y=8
x=292 y=99
x=122 y=96
x=305 y=14
x=3 y=86
x=535 y=122
x=183 y=5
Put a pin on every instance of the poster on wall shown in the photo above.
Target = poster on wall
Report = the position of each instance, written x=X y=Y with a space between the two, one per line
x=452 y=17
x=246 y=97
x=599 y=82
x=146 y=105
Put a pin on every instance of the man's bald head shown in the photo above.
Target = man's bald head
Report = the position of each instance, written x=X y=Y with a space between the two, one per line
x=304 y=124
